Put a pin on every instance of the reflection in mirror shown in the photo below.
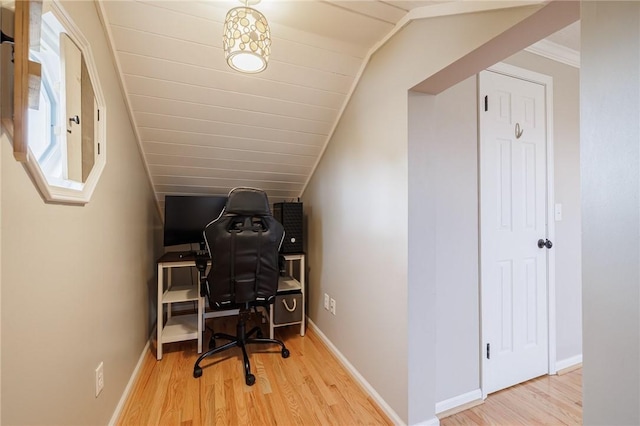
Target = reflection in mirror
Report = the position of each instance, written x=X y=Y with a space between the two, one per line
x=7 y=35
x=61 y=129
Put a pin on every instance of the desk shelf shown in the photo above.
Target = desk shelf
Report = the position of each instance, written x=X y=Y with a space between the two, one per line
x=180 y=294
x=292 y=286
x=179 y=328
x=288 y=284
x=190 y=327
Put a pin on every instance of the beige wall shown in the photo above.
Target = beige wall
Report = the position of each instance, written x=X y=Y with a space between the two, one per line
x=77 y=281
x=455 y=228
x=610 y=179
x=358 y=216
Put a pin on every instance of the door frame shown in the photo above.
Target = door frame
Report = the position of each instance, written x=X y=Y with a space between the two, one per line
x=547 y=82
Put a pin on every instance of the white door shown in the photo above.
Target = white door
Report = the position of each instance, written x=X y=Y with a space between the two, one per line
x=71 y=62
x=512 y=220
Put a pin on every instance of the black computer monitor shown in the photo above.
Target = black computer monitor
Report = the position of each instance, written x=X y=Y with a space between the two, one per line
x=185 y=217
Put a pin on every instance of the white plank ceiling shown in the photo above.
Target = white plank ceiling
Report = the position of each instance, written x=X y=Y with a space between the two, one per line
x=205 y=128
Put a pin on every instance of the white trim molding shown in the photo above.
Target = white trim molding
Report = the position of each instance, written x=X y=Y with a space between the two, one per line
x=459 y=402
x=395 y=418
x=431 y=422
x=568 y=364
x=127 y=390
x=555 y=52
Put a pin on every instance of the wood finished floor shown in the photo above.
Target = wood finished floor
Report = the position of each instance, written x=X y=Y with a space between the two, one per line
x=308 y=388
x=547 y=400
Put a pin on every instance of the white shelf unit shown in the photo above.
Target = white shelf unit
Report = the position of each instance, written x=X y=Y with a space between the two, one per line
x=177 y=327
x=290 y=284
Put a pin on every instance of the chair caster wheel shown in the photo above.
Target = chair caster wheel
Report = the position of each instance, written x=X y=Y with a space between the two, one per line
x=250 y=379
x=285 y=353
x=197 y=372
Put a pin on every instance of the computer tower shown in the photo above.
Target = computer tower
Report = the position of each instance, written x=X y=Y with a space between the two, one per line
x=290 y=216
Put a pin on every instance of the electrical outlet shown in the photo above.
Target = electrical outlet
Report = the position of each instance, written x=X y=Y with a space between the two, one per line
x=99 y=378
x=326 y=301
x=332 y=306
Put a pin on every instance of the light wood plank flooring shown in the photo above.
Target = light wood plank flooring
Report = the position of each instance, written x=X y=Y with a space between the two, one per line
x=548 y=400
x=308 y=388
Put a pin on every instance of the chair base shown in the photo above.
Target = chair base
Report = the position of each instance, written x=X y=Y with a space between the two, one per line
x=241 y=339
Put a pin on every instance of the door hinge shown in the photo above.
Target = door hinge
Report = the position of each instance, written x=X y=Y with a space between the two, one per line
x=98 y=148
x=486 y=103
x=98 y=115
x=488 y=350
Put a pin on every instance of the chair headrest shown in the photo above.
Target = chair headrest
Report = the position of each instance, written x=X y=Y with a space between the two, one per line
x=248 y=201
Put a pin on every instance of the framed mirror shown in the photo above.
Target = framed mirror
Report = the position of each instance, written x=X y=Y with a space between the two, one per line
x=59 y=120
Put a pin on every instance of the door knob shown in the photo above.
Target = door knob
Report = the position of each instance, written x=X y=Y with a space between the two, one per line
x=544 y=243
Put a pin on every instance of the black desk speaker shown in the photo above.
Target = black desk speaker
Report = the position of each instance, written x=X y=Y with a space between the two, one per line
x=290 y=216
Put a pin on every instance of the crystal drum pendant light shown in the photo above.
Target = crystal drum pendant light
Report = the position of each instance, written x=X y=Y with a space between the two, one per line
x=246 y=39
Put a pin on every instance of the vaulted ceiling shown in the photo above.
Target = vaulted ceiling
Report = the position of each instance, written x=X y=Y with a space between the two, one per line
x=204 y=128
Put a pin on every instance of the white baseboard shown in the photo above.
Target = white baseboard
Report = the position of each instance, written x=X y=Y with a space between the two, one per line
x=361 y=380
x=459 y=403
x=132 y=380
x=568 y=363
x=431 y=422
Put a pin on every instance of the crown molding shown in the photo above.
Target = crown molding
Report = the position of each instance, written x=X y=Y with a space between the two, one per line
x=556 y=52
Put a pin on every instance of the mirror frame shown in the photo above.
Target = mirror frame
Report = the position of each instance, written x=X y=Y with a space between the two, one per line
x=27 y=84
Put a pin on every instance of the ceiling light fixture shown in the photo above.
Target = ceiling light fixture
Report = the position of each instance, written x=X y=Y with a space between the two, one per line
x=246 y=38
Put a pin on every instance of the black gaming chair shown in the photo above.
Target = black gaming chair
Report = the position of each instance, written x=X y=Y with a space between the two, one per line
x=243 y=245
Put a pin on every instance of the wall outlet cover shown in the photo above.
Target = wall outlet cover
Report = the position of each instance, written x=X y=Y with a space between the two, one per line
x=99 y=378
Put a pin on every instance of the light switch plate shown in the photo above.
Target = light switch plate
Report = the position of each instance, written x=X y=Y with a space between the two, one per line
x=558 y=212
